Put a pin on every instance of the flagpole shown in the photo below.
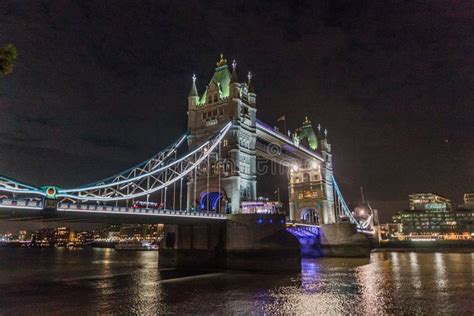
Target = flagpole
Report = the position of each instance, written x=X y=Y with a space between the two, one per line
x=283 y=118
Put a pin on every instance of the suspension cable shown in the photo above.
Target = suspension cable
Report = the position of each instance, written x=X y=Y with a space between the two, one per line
x=219 y=176
x=207 y=189
x=181 y=194
x=195 y=184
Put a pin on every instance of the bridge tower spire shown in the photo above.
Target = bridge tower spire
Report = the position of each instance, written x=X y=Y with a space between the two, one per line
x=251 y=90
x=235 y=87
x=193 y=96
x=311 y=184
x=224 y=100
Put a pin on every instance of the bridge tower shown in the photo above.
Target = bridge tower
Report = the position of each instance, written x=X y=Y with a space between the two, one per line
x=310 y=186
x=231 y=178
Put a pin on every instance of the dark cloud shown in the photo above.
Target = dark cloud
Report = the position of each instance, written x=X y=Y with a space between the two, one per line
x=99 y=141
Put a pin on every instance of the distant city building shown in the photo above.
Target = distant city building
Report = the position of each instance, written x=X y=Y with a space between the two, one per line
x=84 y=237
x=62 y=236
x=389 y=231
x=424 y=201
x=431 y=217
x=152 y=231
x=108 y=232
x=469 y=200
x=25 y=235
x=141 y=231
x=133 y=231
x=45 y=237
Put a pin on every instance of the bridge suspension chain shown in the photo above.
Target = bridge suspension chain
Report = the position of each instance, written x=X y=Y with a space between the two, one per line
x=342 y=205
x=13 y=186
x=144 y=181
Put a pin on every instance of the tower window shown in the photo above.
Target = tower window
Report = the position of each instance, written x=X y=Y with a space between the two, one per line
x=306 y=177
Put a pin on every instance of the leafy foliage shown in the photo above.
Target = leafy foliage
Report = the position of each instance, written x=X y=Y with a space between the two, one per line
x=8 y=54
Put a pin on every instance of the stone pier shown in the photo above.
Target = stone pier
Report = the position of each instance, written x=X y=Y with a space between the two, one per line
x=343 y=240
x=253 y=242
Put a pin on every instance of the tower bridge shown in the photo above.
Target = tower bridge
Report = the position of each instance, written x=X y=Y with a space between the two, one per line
x=208 y=183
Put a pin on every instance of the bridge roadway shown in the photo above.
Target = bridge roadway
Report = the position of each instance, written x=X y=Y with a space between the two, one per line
x=24 y=210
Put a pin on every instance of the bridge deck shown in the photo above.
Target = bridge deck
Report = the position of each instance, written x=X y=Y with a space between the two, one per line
x=288 y=150
x=13 y=210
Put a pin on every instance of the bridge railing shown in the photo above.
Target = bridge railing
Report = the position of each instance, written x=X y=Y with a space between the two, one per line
x=132 y=210
x=20 y=203
x=64 y=206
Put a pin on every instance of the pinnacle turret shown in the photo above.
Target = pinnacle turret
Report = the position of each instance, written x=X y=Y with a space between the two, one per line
x=234 y=78
x=250 y=83
x=193 y=92
x=222 y=61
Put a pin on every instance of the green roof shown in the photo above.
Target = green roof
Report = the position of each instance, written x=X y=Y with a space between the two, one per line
x=221 y=78
x=306 y=132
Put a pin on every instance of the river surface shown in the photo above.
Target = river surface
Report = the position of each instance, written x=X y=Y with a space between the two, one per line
x=91 y=281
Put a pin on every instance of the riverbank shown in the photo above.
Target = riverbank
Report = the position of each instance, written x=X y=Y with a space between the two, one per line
x=446 y=246
x=425 y=250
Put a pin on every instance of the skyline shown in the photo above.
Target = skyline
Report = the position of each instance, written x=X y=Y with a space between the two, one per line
x=398 y=116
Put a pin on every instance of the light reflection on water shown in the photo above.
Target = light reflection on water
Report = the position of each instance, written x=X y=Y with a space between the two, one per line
x=105 y=281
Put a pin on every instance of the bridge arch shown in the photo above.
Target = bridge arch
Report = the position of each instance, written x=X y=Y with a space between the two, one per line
x=310 y=215
x=212 y=200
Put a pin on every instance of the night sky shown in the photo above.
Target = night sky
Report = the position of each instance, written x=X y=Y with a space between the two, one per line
x=101 y=85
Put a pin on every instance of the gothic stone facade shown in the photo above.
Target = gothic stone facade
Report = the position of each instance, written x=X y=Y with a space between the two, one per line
x=224 y=100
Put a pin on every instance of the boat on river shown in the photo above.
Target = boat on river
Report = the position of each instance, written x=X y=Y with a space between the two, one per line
x=137 y=245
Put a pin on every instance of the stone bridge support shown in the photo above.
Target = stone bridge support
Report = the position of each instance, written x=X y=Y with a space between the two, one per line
x=343 y=240
x=253 y=242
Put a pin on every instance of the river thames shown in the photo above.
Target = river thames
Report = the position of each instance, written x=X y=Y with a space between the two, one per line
x=63 y=281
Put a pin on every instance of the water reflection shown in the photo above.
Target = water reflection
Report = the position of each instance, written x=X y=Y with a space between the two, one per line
x=415 y=273
x=105 y=281
x=440 y=272
x=394 y=257
x=147 y=289
x=375 y=295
